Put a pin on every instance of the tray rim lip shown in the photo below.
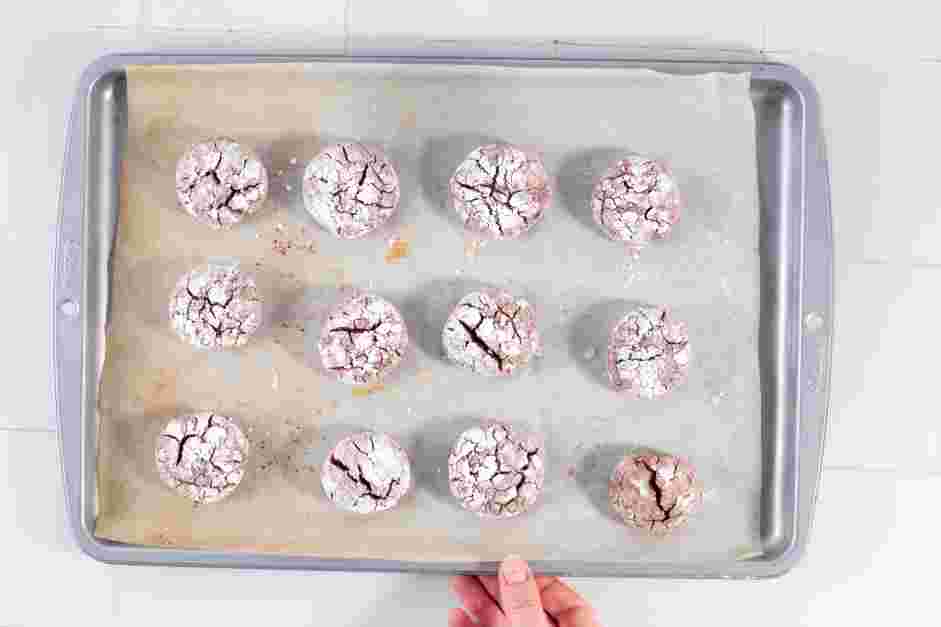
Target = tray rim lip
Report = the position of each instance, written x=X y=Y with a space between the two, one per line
x=813 y=155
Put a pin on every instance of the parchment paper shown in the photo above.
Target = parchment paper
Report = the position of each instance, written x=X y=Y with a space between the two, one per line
x=428 y=118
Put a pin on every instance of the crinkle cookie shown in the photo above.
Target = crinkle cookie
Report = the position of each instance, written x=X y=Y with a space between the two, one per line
x=366 y=472
x=201 y=456
x=215 y=307
x=499 y=191
x=636 y=200
x=491 y=332
x=656 y=493
x=495 y=471
x=363 y=339
x=219 y=182
x=351 y=189
x=649 y=353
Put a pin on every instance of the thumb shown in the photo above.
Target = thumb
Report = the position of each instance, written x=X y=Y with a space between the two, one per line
x=519 y=595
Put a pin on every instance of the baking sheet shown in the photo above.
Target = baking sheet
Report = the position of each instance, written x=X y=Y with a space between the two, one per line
x=428 y=117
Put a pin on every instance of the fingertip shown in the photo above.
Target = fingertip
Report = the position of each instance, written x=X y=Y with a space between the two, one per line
x=459 y=618
x=514 y=570
x=519 y=595
x=491 y=584
x=475 y=600
x=543 y=582
x=568 y=607
x=582 y=616
x=463 y=585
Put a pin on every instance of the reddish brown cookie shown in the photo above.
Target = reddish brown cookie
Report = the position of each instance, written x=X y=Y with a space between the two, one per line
x=656 y=493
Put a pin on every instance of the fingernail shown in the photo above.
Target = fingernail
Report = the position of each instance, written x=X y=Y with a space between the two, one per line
x=514 y=570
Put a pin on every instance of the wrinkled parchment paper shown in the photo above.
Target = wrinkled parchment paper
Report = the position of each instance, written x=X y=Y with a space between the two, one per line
x=428 y=118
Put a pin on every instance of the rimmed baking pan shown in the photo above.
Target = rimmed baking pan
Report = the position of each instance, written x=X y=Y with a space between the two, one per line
x=793 y=336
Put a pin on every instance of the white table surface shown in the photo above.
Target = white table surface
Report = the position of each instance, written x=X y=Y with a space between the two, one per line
x=878 y=71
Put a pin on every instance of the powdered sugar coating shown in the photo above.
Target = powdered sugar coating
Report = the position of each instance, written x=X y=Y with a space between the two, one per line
x=500 y=191
x=351 y=189
x=649 y=353
x=366 y=472
x=363 y=339
x=491 y=332
x=215 y=307
x=636 y=200
x=494 y=471
x=655 y=493
x=201 y=456
x=219 y=182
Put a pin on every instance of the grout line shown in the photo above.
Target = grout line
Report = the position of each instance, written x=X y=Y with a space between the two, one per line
x=850 y=54
x=904 y=472
x=790 y=51
x=15 y=429
x=348 y=28
x=145 y=15
x=804 y=52
x=129 y=28
x=653 y=47
x=908 y=263
x=219 y=30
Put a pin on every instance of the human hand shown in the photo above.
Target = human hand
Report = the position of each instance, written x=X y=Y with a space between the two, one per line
x=517 y=598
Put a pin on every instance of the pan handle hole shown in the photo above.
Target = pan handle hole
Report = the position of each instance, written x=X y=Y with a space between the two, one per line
x=69 y=308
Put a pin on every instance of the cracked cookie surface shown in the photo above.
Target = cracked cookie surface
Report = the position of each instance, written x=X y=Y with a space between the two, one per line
x=219 y=182
x=366 y=472
x=656 y=493
x=363 y=339
x=500 y=191
x=351 y=189
x=649 y=353
x=201 y=456
x=215 y=307
x=495 y=471
x=636 y=200
x=491 y=332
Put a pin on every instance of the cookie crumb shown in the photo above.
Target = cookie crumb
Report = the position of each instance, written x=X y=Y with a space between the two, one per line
x=398 y=249
x=281 y=246
x=361 y=391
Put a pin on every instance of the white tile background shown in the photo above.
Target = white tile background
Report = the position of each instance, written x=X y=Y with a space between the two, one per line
x=879 y=77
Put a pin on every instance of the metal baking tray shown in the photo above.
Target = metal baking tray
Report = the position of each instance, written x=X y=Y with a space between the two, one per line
x=796 y=324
